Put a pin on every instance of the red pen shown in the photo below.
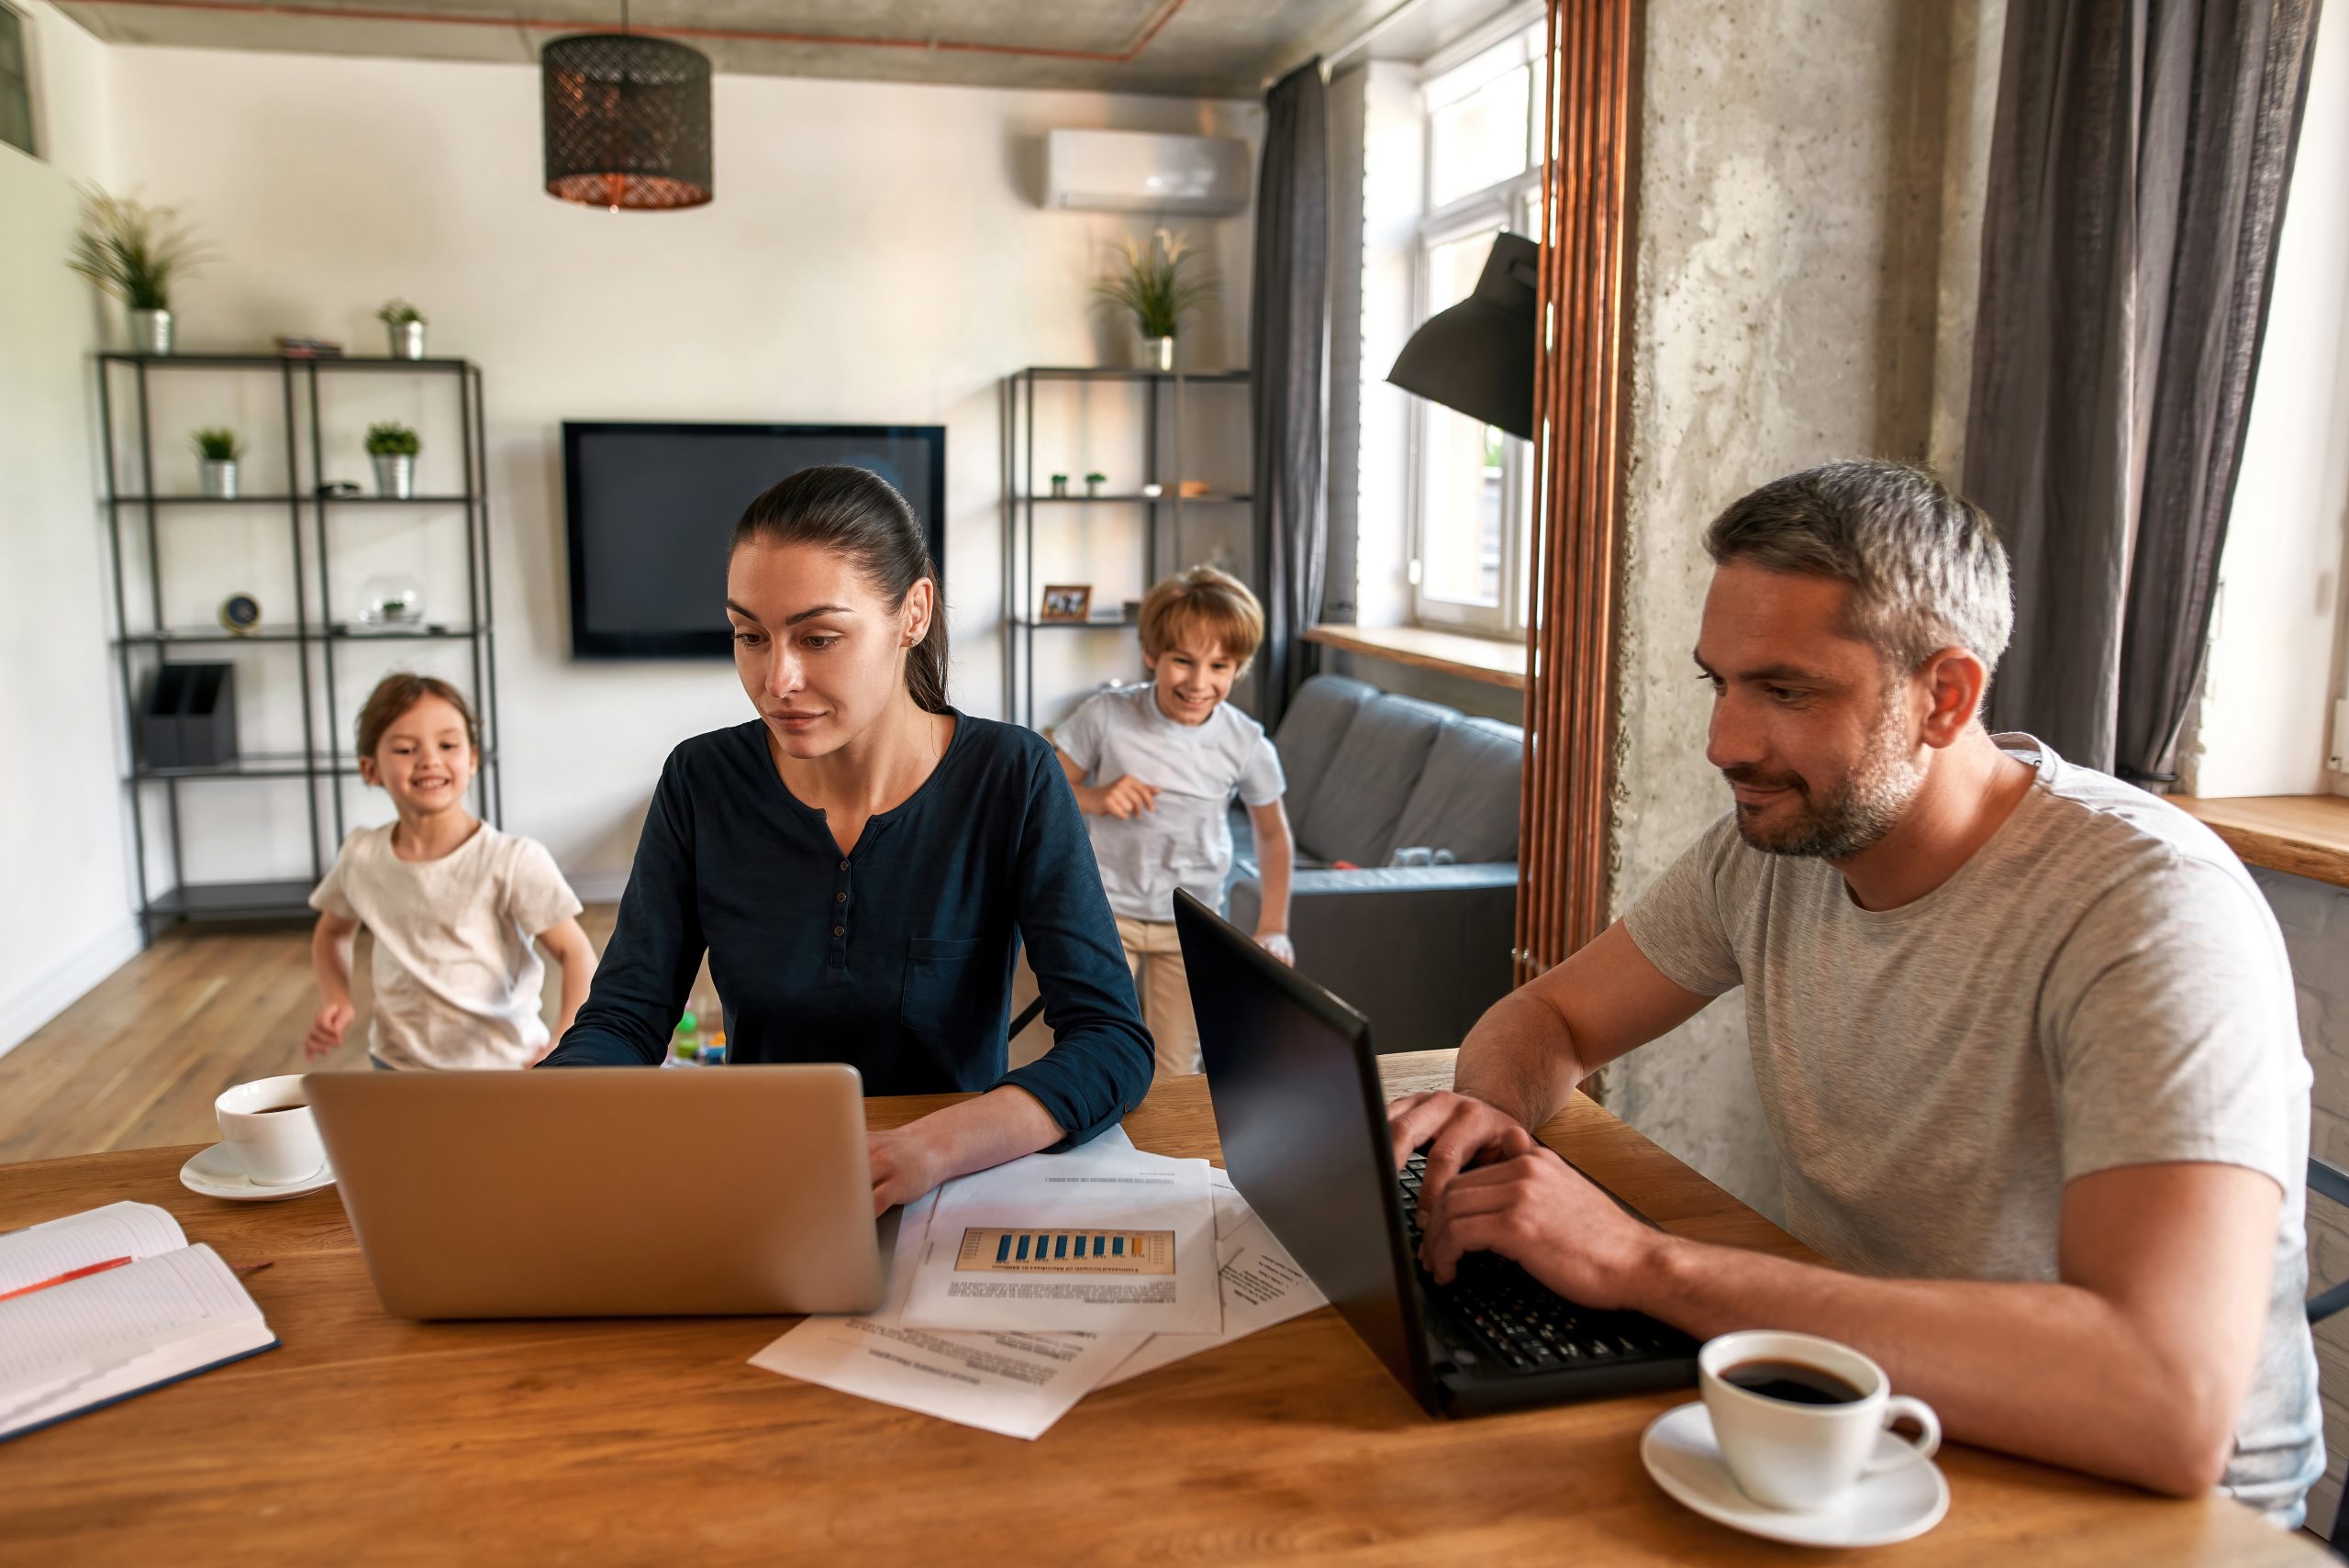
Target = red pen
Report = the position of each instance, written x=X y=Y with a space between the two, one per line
x=81 y=1273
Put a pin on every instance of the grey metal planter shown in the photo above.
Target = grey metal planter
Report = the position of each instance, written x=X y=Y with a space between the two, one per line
x=408 y=339
x=1158 y=353
x=394 y=476
x=220 y=480
x=151 y=332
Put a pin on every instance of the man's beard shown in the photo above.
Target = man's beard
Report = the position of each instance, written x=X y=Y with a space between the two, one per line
x=1850 y=815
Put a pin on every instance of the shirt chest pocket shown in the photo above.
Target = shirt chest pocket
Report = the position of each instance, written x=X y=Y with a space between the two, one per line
x=940 y=992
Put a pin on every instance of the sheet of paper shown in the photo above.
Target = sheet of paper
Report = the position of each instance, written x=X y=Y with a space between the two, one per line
x=1261 y=1286
x=1016 y=1384
x=1096 y=1241
x=1232 y=1210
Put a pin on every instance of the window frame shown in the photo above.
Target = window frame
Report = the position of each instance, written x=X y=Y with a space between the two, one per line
x=22 y=83
x=1498 y=206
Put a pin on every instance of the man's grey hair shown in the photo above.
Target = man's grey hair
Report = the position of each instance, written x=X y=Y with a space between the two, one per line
x=1926 y=568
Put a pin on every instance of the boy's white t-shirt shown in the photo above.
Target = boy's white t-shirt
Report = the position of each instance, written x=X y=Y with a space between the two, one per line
x=1185 y=841
x=457 y=980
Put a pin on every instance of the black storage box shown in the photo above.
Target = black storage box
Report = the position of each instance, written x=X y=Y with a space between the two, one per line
x=189 y=719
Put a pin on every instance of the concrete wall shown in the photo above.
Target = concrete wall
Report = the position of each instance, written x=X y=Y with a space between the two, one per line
x=1785 y=312
x=2315 y=920
x=876 y=253
x=63 y=832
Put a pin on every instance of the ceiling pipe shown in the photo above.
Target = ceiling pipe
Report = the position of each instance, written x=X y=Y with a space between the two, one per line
x=570 y=25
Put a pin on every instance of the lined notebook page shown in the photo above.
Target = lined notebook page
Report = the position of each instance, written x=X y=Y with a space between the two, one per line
x=49 y=1336
x=117 y=1230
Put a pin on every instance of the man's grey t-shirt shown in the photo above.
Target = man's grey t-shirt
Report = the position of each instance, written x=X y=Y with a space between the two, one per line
x=2100 y=985
x=1186 y=840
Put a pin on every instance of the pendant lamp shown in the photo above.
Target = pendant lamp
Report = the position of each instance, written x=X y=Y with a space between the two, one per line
x=627 y=120
x=1477 y=357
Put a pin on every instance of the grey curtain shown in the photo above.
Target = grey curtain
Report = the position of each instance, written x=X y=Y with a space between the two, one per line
x=2138 y=169
x=1288 y=391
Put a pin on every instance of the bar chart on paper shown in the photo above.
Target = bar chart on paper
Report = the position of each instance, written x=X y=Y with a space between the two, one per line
x=991 y=1249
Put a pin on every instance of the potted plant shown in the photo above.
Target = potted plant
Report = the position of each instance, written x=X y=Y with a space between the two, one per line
x=1060 y=486
x=406 y=325
x=393 y=447
x=1093 y=482
x=1153 y=285
x=220 y=448
x=135 y=254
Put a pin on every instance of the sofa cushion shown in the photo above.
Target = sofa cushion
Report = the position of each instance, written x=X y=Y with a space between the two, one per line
x=1370 y=777
x=1316 y=720
x=1466 y=798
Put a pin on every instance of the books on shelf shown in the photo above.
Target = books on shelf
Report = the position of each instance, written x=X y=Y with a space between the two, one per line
x=100 y=1305
x=299 y=347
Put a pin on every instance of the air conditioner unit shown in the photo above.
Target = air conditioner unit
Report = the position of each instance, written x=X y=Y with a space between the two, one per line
x=1126 y=170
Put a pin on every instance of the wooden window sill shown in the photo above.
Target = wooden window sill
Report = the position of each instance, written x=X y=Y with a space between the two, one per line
x=1494 y=662
x=2306 y=834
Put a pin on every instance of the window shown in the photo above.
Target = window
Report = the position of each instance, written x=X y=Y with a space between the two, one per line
x=16 y=84
x=1471 y=523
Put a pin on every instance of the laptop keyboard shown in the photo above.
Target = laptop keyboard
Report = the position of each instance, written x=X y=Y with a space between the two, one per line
x=1522 y=1323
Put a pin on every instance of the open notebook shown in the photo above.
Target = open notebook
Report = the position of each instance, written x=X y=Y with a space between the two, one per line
x=102 y=1304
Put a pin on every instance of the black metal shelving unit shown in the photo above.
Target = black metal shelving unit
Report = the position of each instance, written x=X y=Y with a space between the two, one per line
x=314 y=635
x=1161 y=515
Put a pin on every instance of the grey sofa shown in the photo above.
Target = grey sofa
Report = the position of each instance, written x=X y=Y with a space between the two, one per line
x=1419 y=949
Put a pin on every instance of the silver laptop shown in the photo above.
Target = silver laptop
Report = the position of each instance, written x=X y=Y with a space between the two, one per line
x=592 y=1191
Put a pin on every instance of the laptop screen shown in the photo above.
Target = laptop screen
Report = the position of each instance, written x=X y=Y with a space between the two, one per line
x=1303 y=1122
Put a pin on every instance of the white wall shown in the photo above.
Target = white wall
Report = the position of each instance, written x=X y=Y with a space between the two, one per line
x=875 y=254
x=2274 y=663
x=63 y=830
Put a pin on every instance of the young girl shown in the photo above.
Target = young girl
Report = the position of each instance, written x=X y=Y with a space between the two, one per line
x=454 y=903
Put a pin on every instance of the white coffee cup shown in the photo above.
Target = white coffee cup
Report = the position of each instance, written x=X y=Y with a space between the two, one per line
x=269 y=1130
x=1802 y=1456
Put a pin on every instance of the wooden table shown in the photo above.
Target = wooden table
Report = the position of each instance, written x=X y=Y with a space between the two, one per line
x=653 y=1440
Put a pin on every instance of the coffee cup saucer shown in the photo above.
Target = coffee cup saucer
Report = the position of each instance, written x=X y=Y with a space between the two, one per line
x=1684 y=1459
x=216 y=1174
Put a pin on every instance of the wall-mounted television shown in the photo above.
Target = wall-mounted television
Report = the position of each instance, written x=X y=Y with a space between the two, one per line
x=649 y=508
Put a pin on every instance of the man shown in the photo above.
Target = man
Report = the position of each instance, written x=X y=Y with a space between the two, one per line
x=2025 y=1037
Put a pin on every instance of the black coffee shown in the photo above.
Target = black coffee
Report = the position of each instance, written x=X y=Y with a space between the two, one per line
x=1792 y=1382
x=271 y=1110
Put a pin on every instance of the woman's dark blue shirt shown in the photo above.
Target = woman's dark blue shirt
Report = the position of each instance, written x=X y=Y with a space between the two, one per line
x=896 y=957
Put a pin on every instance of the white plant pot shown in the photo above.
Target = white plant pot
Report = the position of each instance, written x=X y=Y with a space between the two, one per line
x=394 y=476
x=151 y=332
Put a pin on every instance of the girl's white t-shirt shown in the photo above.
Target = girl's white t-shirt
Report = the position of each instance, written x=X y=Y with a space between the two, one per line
x=457 y=980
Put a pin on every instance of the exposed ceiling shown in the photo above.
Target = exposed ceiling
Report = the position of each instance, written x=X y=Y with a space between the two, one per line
x=1186 y=47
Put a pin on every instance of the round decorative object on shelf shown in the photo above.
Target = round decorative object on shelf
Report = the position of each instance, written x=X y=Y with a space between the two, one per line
x=240 y=614
x=627 y=121
x=390 y=601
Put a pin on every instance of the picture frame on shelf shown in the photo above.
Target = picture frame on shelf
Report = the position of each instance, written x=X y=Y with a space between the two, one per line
x=1067 y=601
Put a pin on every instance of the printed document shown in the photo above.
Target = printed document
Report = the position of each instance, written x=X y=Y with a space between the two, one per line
x=1015 y=1383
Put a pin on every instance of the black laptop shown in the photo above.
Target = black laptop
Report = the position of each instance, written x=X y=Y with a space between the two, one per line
x=1304 y=1125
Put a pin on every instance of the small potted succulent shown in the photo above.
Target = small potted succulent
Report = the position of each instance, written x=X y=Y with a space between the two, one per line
x=1060 y=486
x=394 y=447
x=1093 y=482
x=134 y=253
x=406 y=325
x=220 y=448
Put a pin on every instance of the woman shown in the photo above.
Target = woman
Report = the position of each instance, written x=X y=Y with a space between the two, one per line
x=860 y=861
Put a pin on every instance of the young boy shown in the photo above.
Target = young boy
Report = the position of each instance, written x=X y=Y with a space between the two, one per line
x=454 y=903
x=1155 y=768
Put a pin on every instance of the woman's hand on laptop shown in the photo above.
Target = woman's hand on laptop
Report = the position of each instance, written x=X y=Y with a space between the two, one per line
x=1540 y=1211
x=1459 y=1132
x=903 y=1166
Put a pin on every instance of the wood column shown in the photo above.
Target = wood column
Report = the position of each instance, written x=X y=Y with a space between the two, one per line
x=1581 y=388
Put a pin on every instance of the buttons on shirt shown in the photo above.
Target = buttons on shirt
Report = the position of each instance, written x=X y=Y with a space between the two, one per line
x=840 y=930
x=839 y=898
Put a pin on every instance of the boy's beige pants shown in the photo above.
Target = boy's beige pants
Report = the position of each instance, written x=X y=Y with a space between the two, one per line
x=1156 y=959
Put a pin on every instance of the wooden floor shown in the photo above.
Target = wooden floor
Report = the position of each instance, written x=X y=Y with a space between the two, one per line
x=138 y=1060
